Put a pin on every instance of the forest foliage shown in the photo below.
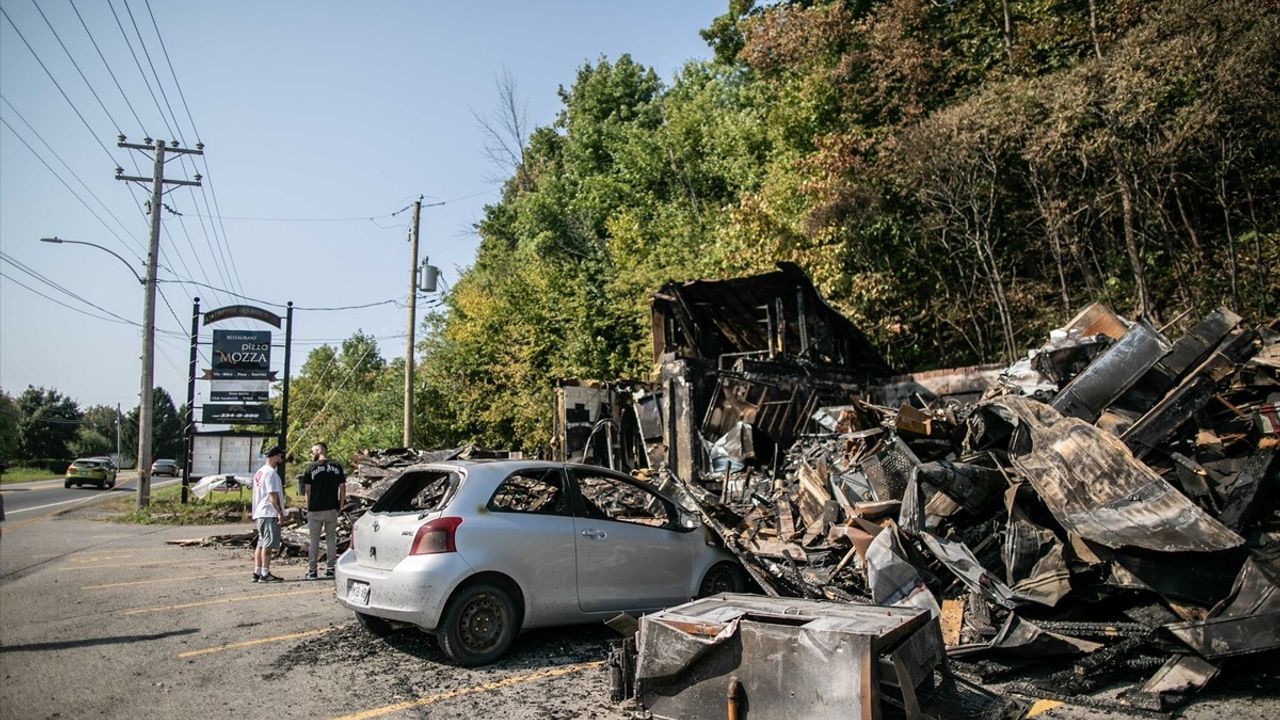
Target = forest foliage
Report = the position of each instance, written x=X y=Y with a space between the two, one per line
x=956 y=177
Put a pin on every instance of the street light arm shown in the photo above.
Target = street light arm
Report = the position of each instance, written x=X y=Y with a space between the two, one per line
x=104 y=249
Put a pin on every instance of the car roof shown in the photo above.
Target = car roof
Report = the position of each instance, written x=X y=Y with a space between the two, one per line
x=498 y=468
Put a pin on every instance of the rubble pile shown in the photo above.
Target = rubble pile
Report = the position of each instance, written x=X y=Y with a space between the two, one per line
x=1109 y=502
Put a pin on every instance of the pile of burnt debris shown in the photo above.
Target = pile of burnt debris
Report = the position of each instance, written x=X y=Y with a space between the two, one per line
x=1101 y=513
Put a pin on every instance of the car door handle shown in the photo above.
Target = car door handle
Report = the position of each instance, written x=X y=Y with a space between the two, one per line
x=595 y=534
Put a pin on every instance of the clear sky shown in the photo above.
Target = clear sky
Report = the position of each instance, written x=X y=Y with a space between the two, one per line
x=308 y=110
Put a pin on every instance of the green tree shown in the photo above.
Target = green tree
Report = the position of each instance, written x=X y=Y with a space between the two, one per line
x=9 y=423
x=167 y=428
x=48 y=422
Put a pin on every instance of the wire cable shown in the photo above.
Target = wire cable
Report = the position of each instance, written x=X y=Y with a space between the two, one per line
x=70 y=189
x=59 y=86
x=76 y=65
x=110 y=72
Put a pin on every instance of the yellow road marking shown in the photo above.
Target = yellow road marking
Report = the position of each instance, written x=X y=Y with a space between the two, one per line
x=139 y=564
x=460 y=692
x=216 y=601
x=160 y=580
x=250 y=643
x=98 y=558
x=1042 y=706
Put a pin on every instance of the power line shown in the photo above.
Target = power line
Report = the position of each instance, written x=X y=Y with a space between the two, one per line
x=360 y=218
x=119 y=321
x=138 y=63
x=110 y=72
x=57 y=85
x=68 y=187
x=188 y=281
x=36 y=275
x=224 y=243
x=147 y=54
x=76 y=65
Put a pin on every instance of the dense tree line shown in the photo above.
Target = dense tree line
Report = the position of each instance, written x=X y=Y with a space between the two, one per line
x=43 y=428
x=956 y=177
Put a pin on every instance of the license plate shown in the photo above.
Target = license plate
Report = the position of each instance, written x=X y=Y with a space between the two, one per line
x=359 y=593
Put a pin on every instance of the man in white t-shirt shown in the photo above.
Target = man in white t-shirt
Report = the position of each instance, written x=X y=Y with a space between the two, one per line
x=268 y=508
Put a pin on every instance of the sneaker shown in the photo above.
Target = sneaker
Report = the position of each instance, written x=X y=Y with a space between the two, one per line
x=328 y=573
x=311 y=575
x=269 y=578
x=256 y=578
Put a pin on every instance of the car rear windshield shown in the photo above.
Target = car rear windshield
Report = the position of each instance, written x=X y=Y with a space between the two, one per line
x=87 y=463
x=422 y=491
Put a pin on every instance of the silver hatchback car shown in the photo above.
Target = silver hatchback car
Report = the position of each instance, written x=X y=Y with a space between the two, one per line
x=475 y=552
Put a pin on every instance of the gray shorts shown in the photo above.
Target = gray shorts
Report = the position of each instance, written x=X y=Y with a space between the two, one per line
x=269 y=533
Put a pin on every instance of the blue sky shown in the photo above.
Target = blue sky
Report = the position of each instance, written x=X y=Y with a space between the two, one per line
x=308 y=110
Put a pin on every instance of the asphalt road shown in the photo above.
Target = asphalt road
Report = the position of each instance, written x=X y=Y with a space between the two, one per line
x=24 y=499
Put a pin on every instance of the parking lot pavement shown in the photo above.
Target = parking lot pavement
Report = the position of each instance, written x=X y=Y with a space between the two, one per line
x=99 y=619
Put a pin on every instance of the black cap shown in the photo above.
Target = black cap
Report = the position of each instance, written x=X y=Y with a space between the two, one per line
x=275 y=450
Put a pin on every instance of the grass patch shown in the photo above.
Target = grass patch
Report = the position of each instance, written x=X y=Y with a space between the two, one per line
x=27 y=474
x=166 y=507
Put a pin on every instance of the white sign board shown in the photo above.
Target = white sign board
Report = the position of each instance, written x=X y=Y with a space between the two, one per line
x=238 y=390
x=228 y=455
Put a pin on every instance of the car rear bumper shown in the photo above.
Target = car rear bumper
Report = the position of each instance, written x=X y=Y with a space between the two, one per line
x=415 y=591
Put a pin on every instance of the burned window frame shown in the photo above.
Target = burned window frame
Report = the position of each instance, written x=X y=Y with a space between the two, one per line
x=567 y=506
x=395 y=494
x=579 y=499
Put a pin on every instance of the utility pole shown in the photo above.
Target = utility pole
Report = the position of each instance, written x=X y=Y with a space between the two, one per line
x=413 y=316
x=118 y=455
x=145 y=406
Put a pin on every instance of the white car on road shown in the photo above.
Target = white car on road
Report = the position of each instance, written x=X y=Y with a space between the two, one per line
x=475 y=552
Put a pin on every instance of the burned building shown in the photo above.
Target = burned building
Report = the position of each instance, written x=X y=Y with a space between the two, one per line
x=740 y=363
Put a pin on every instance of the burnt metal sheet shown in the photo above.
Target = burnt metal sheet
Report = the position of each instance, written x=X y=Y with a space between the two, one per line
x=1242 y=497
x=1181 y=677
x=1189 y=396
x=783 y=657
x=1247 y=622
x=1112 y=372
x=1034 y=558
x=960 y=560
x=974 y=487
x=1095 y=488
x=1022 y=637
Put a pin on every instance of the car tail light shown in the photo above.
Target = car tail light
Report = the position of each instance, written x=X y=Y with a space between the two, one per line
x=437 y=536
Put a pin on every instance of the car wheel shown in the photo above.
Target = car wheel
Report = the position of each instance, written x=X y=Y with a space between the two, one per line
x=375 y=626
x=722 y=577
x=478 y=625
x=66 y=484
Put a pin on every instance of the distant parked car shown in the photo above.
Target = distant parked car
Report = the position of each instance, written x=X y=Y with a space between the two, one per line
x=165 y=467
x=90 y=471
x=475 y=552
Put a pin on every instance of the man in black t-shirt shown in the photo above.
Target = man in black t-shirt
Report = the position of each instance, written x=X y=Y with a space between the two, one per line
x=325 y=486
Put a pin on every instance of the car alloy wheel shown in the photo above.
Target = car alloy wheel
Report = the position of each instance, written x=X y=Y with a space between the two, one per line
x=478 y=625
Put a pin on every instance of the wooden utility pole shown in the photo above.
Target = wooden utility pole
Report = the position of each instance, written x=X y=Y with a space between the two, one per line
x=413 y=318
x=146 y=410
